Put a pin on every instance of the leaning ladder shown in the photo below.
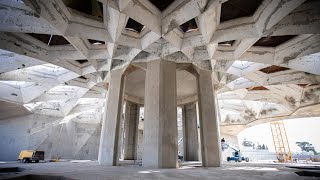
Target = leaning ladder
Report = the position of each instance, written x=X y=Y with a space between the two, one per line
x=280 y=140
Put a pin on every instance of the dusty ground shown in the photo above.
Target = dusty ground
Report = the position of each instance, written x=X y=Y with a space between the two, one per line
x=91 y=170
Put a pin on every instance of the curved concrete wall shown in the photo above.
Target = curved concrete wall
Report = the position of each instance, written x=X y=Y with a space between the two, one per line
x=66 y=141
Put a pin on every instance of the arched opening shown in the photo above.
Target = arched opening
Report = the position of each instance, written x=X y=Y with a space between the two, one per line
x=256 y=142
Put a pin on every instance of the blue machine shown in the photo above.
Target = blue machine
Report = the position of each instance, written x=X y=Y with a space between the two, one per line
x=236 y=155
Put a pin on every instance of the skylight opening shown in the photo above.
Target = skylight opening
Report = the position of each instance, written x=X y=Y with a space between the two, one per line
x=134 y=26
x=189 y=26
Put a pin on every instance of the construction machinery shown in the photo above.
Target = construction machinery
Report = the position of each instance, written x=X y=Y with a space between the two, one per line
x=26 y=156
x=280 y=140
x=236 y=155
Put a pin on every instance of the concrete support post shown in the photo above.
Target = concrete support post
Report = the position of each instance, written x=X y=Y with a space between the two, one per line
x=139 y=144
x=108 y=150
x=121 y=137
x=190 y=132
x=209 y=124
x=198 y=124
x=160 y=136
x=131 y=121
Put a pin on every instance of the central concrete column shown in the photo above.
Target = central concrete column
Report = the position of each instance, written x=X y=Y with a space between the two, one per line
x=130 y=130
x=108 y=149
x=160 y=136
x=209 y=125
x=190 y=132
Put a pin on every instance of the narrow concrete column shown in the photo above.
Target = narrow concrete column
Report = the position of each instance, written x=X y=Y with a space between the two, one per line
x=108 y=150
x=160 y=136
x=130 y=130
x=139 y=144
x=121 y=137
x=209 y=125
x=190 y=132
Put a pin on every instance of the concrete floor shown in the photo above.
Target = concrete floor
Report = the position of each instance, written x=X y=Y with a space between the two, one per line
x=91 y=170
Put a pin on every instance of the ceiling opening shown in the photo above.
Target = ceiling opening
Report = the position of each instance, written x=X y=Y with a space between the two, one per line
x=58 y=40
x=234 y=9
x=82 y=61
x=50 y=39
x=307 y=85
x=273 y=41
x=273 y=69
x=227 y=43
x=95 y=42
x=257 y=88
x=82 y=77
x=90 y=7
x=161 y=5
x=134 y=26
x=189 y=26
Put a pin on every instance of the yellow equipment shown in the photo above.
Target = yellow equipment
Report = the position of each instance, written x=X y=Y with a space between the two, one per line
x=31 y=155
x=280 y=141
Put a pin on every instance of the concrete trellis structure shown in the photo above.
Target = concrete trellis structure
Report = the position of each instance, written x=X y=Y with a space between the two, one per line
x=263 y=66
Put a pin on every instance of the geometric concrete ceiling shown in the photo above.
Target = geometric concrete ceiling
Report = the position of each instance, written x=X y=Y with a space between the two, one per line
x=55 y=57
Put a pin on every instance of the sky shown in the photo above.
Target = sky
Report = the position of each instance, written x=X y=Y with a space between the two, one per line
x=302 y=129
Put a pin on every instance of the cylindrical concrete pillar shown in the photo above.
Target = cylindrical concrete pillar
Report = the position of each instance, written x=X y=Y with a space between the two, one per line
x=160 y=137
x=209 y=124
x=190 y=132
x=139 y=144
x=108 y=149
x=130 y=130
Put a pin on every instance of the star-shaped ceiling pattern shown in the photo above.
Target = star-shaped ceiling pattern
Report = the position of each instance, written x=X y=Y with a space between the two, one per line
x=56 y=55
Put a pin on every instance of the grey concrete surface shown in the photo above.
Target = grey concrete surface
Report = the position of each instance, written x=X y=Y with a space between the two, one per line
x=64 y=86
x=160 y=137
x=130 y=130
x=108 y=150
x=190 y=132
x=93 y=171
x=69 y=140
x=209 y=124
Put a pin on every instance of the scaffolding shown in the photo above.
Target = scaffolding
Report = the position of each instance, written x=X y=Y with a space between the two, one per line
x=280 y=140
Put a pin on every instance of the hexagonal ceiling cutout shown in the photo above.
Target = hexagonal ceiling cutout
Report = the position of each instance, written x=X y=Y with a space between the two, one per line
x=234 y=9
x=273 y=41
x=273 y=69
x=50 y=39
x=161 y=5
x=189 y=26
x=134 y=26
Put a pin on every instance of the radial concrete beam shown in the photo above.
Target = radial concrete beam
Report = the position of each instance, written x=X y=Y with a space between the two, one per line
x=16 y=17
x=266 y=16
x=303 y=20
x=189 y=9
